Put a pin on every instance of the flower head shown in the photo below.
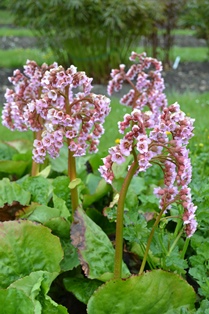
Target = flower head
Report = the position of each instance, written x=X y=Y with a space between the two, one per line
x=58 y=103
x=158 y=135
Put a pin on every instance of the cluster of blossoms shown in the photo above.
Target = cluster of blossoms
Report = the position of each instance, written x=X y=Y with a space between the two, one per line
x=157 y=135
x=59 y=105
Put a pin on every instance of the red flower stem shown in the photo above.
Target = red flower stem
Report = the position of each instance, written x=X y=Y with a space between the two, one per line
x=71 y=161
x=150 y=240
x=72 y=176
x=35 y=166
x=119 y=223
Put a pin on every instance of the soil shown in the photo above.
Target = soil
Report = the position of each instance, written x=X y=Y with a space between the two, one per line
x=189 y=76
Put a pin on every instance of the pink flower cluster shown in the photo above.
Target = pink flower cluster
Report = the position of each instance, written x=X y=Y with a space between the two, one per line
x=59 y=104
x=146 y=83
x=159 y=135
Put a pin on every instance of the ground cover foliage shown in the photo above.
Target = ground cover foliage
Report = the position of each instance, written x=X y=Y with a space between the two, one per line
x=55 y=260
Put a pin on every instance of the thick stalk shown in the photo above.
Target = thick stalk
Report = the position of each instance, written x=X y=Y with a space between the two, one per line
x=35 y=166
x=150 y=240
x=71 y=161
x=72 y=176
x=119 y=223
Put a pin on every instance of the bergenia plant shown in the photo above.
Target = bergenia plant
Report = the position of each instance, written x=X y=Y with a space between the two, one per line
x=59 y=107
x=154 y=133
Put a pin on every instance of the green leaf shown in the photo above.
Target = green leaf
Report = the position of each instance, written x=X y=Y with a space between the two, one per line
x=59 y=226
x=61 y=205
x=22 y=146
x=174 y=262
x=13 y=167
x=39 y=188
x=204 y=307
x=82 y=288
x=14 y=301
x=92 y=182
x=35 y=285
x=6 y=151
x=102 y=221
x=151 y=293
x=120 y=170
x=101 y=190
x=74 y=183
x=60 y=164
x=70 y=259
x=137 y=185
x=61 y=189
x=11 y=191
x=40 y=213
x=27 y=247
x=49 y=306
x=135 y=229
x=45 y=172
x=95 y=250
x=43 y=213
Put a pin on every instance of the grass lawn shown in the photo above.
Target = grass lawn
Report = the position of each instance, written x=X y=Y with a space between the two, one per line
x=16 y=58
x=22 y=32
x=187 y=54
x=193 y=104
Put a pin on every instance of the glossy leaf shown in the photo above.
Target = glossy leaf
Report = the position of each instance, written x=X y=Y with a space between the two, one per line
x=49 y=306
x=151 y=293
x=11 y=191
x=82 y=288
x=43 y=213
x=74 y=183
x=120 y=170
x=34 y=282
x=13 y=167
x=59 y=164
x=96 y=252
x=36 y=285
x=22 y=146
x=39 y=188
x=45 y=172
x=15 y=301
x=59 y=226
x=61 y=189
x=7 y=151
x=98 y=191
x=61 y=205
x=70 y=259
x=27 y=247
x=40 y=213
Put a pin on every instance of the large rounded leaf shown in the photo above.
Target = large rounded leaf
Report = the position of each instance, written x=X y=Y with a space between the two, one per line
x=151 y=293
x=27 y=247
x=11 y=191
x=14 y=301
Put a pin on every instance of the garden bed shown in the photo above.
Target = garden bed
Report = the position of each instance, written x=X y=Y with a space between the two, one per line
x=189 y=76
